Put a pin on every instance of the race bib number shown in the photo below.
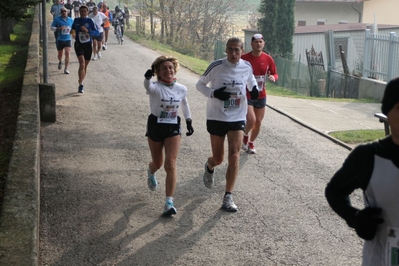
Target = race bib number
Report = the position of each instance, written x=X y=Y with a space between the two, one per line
x=66 y=30
x=90 y=8
x=76 y=8
x=392 y=250
x=261 y=82
x=84 y=37
x=168 y=114
x=233 y=103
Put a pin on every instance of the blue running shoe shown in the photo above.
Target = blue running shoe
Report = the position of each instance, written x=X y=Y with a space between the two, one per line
x=81 y=90
x=169 y=209
x=152 y=181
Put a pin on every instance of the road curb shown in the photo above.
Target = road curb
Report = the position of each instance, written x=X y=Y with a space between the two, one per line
x=19 y=217
x=297 y=120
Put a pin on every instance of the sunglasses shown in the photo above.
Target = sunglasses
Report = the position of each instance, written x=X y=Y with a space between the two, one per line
x=62 y=11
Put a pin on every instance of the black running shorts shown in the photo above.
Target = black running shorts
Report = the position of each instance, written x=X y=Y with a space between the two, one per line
x=158 y=132
x=220 y=128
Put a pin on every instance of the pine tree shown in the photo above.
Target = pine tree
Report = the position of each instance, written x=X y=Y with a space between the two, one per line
x=285 y=27
x=276 y=24
x=266 y=23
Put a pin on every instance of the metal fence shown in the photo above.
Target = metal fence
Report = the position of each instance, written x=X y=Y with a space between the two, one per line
x=381 y=56
x=376 y=57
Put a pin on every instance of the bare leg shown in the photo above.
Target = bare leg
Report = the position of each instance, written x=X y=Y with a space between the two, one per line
x=234 y=139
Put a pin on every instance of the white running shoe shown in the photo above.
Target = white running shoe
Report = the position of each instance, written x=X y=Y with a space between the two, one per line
x=66 y=71
x=99 y=55
x=95 y=58
x=251 y=148
x=228 y=203
x=208 y=178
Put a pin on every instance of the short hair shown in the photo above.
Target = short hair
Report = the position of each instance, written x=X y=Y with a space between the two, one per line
x=235 y=40
x=83 y=6
x=391 y=96
x=156 y=66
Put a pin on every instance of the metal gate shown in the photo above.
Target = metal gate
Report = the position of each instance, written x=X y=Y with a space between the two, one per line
x=316 y=72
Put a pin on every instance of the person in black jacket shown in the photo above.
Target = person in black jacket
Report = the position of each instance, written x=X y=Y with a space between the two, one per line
x=374 y=168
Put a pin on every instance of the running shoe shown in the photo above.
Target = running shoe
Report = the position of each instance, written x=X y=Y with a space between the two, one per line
x=245 y=143
x=208 y=177
x=169 y=209
x=59 y=65
x=81 y=90
x=95 y=58
x=104 y=47
x=251 y=148
x=152 y=181
x=99 y=55
x=228 y=204
x=66 y=71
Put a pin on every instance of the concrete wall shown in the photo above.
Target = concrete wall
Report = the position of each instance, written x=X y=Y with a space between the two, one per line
x=19 y=216
x=371 y=88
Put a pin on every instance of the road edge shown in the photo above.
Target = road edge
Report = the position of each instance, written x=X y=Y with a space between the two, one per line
x=19 y=217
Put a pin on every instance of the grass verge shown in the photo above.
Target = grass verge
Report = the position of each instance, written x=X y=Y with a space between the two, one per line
x=358 y=136
x=13 y=57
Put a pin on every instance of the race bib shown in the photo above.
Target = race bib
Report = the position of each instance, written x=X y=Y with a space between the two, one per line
x=168 y=114
x=84 y=37
x=90 y=8
x=233 y=103
x=66 y=30
x=392 y=249
x=76 y=8
x=261 y=82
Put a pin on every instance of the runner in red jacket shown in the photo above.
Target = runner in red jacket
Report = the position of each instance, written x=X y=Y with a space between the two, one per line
x=263 y=68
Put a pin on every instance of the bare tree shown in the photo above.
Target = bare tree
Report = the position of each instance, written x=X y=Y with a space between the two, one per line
x=192 y=26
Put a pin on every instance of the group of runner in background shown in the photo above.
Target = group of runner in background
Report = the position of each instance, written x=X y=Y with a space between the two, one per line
x=88 y=23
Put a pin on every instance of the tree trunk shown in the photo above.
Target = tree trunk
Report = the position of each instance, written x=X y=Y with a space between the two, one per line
x=5 y=30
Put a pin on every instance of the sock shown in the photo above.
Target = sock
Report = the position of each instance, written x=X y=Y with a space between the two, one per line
x=169 y=199
x=209 y=170
x=227 y=193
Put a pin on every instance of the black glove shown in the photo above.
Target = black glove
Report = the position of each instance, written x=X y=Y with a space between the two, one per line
x=190 y=128
x=366 y=222
x=221 y=94
x=149 y=74
x=254 y=93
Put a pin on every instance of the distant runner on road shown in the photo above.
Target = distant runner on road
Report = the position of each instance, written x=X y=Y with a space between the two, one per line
x=83 y=28
x=263 y=68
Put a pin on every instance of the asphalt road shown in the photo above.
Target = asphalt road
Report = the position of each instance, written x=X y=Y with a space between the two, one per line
x=96 y=208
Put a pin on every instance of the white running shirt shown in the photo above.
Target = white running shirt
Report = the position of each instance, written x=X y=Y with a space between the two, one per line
x=165 y=101
x=235 y=77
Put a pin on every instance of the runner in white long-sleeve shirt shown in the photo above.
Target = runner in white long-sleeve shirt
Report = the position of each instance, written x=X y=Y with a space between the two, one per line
x=163 y=125
x=224 y=83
